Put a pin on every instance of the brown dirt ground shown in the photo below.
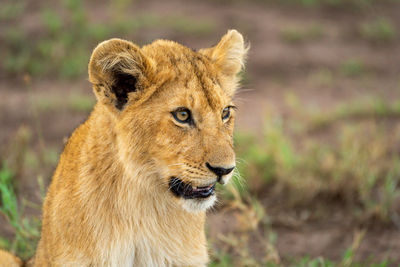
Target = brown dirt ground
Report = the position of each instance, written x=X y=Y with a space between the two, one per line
x=275 y=68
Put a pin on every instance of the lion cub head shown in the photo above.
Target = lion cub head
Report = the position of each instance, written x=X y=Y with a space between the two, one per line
x=172 y=111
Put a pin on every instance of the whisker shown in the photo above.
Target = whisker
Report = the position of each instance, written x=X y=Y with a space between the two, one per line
x=176 y=164
x=245 y=90
x=175 y=182
x=242 y=160
x=237 y=177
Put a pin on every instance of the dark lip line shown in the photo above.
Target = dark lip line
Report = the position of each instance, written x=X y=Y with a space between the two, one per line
x=182 y=189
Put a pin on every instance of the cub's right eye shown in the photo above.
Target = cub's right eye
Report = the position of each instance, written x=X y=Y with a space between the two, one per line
x=182 y=115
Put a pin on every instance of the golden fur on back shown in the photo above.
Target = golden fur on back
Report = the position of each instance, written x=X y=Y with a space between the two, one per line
x=110 y=201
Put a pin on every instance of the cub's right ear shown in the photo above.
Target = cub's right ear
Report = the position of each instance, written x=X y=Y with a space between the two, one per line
x=118 y=68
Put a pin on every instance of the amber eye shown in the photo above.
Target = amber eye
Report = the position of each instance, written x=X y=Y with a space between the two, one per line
x=182 y=115
x=226 y=112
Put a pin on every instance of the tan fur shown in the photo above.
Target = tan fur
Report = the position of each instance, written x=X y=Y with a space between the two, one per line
x=8 y=260
x=109 y=202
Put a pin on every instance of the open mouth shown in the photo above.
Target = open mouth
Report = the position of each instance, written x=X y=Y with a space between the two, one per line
x=181 y=189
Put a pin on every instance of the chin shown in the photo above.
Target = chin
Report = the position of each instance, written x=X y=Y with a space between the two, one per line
x=198 y=204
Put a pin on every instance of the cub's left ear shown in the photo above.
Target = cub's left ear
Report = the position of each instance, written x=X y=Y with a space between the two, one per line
x=118 y=69
x=229 y=54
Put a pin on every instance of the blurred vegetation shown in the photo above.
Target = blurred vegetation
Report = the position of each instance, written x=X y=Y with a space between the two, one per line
x=380 y=30
x=340 y=4
x=358 y=166
x=295 y=35
x=26 y=230
x=61 y=45
x=225 y=260
x=352 y=67
x=72 y=103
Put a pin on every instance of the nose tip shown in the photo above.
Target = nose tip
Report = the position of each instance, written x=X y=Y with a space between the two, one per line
x=219 y=171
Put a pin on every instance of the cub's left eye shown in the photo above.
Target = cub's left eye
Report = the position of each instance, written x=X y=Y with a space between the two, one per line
x=226 y=113
x=182 y=115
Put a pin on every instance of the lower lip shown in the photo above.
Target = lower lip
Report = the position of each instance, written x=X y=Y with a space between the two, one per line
x=186 y=191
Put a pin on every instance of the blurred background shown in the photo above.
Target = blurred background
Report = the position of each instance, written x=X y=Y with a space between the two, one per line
x=317 y=138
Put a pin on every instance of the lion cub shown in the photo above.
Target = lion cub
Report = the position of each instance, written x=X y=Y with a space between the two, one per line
x=134 y=181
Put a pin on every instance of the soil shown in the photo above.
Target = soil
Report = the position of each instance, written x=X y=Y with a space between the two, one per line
x=275 y=68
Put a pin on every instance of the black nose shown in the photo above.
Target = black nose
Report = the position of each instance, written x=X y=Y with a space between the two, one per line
x=219 y=171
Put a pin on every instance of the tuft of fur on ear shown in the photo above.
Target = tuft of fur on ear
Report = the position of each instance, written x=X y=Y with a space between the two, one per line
x=117 y=68
x=229 y=54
